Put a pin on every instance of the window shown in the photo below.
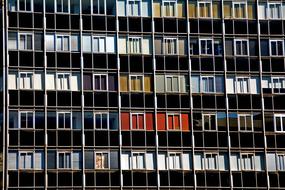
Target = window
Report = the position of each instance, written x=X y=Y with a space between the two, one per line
x=26 y=160
x=278 y=84
x=101 y=120
x=100 y=82
x=134 y=7
x=62 y=43
x=241 y=47
x=174 y=161
x=170 y=46
x=211 y=161
x=138 y=121
x=242 y=85
x=99 y=45
x=64 y=160
x=64 y=120
x=172 y=83
x=26 y=41
x=25 y=80
x=169 y=8
x=239 y=10
x=173 y=121
x=25 y=5
x=279 y=122
x=26 y=120
x=135 y=44
x=281 y=162
x=247 y=161
x=138 y=160
x=136 y=83
x=101 y=160
x=99 y=7
x=209 y=122
x=274 y=11
x=62 y=6
x=245 y=122
x=63 y=81
x=276 y=47
x=204 y=9
x=208 y=84
x=206 y=46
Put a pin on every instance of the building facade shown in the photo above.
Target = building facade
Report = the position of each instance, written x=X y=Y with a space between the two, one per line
x=143 y=94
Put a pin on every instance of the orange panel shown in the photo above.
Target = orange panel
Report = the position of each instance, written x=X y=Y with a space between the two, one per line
x=170 y=122
x=161 y=121
x=176 y=122
x=134 y=122
x=149 y=121
x=125 y=121
x=185 y=122
x=140 y=122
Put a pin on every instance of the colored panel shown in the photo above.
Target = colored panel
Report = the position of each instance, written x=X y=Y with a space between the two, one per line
x=124 y=83
x=176 y=122
x=161 y=121
x=149 y=121
x=170 y=122
x=125 y=121
x=134 y=122
x=140 y=121
x=185 y=122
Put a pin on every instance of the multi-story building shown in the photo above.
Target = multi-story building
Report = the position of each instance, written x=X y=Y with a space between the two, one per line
x=143 y=94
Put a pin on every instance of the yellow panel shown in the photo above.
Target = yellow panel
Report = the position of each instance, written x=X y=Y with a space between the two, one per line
x=227 y=10
x=124 y=83
x=156 y=9
x=250 y=11
x=192 y=10
x=216 y=11
x=147 y=84
x=181 y=9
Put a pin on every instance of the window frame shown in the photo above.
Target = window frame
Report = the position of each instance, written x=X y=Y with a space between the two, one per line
x=204 y=3
x=99 y=44
x=100 y=90
x=282 y=125
x=71 y=160
x=26 y=114
x=139 y=8
x=239 y=122
x=268 y=10
x=31 y=4
x=200 y=46
x=29 y=75
x=173 y=121
x=175 y=154
x=62 y=37
x=137 y=114
x=280 y=79
x=208 y=84
x=62 y=9
x=101 y=118
x=92 y=8
x=135 y=157
x=132 y=40
x=279 y=168
x=137 y=77
x=250 y=156
x=270 y=47
x=239 y=3
x=68 y=82
x=241 y=50
x=102 y=153
x=57 y=120
x=241 y=91
x=215 y=156
x=25 y=34
x=163 y=11
x=32 y=160
x=172 y=76
x=166 y=41
x=210 y=115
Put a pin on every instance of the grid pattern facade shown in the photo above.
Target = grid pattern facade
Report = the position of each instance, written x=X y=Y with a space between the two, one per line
x=143 y=94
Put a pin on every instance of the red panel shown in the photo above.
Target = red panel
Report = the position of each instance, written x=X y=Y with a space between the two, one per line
x=125 y=121
x=134 y=122
x=140 y=122
x=170 y=122
x=185 y=122
x=161 y=121
x=176 y=122
x=149 y=121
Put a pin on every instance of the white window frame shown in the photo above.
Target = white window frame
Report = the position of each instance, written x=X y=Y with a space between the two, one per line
x=134 y=48
x=100 y=114
x=172 y=50
x=282 y=125
x=65 y=153
x=202 y=85
x=25 y=161
x=209 y=115
x=99 y=44
x=174 y=154
x=57 y=120
x=18 y=6
x=200 y=46
x=276 y=44
x=102 y=154
x=247 y=129
x=241 y=50
x=172 y=82
x=137 y=115
x=167 y=3
x=28 y=76
x=173 y=115
x=280 y=162
x=25 y=42
x=134 y=156
x=239 y=4
x=137 y=77
x=273 y=84
x=92 y=7
x=269 y=11
x=204 y=3
x=61 y=86
x=243 y=164
x=26 y=114
x=139 y=8
x=61 y=38
x=241 y=88
x=61 y=11
x=100 y=75
x=214 y=156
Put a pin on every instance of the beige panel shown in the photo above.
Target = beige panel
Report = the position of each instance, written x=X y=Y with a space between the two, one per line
x=181 y=9
x=192 y=11
x=156 y=9
x=251 y=11
x=181 y=46
x=122 y=45
x=74 y=82
x=158 y=46
x=50 y=81
x=146 y=46
x=147 y=84
x=124 y=83
x=216 y=11
x=38 y=81
x=227 y=10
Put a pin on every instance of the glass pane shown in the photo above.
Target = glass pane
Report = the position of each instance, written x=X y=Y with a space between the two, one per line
x=104 y=121
x=98 y=121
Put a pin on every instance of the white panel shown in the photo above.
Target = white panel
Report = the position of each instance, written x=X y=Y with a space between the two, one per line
x=12 y=160
x=195 y=84
x=160 y=83
x=122 y=45
x=271 y=162
x=258 y=162
x=182 y=84
x=74 y=82
x=222 y=162
x=12 y=82
x=38 y=81
x=230 y=85
x=76 y=160
x=75 y=43
x=38 y=162
x=49 y=41
x=186 y=161
x=146 y=46
x=254 y=89
x=121 y=8
x=110 y=43
x=265 y=82
x=50 y=82
x=283 y=11
x=234 y=162
x=86 y=41
x=198 y=161
x=145 y=8
x=161 y=162
x=125 y=164
x=261 y=11
x=149 y=161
